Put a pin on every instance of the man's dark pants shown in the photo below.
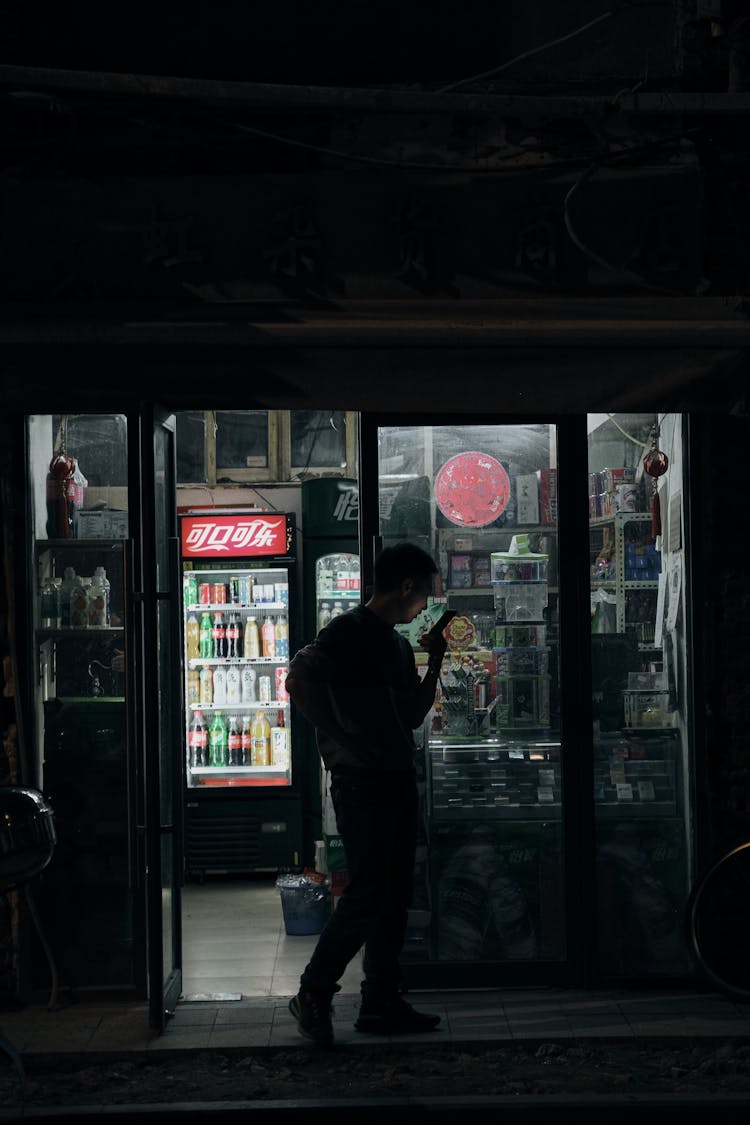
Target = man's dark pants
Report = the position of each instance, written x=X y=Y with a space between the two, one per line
x=376 y=815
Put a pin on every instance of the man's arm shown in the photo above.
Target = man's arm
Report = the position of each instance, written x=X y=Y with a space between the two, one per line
x=425 y=694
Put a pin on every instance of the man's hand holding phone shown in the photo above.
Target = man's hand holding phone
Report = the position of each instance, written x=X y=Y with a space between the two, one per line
x=434 y=640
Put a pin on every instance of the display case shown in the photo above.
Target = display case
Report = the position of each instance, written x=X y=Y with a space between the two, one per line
x=236 y=632
x=82 y=756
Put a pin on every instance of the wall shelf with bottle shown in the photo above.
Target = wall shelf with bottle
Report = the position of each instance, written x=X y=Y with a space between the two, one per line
x=626 y=561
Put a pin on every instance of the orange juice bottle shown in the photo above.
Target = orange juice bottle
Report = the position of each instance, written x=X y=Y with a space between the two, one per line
x=260 y=741
x=192 y=637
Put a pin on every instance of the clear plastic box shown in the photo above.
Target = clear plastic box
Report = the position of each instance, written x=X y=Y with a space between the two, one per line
x=647 y=709
x=521 y=661
x=510 y=568
x=519 y=601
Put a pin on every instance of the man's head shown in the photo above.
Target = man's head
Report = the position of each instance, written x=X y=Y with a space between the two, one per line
x=403 y=581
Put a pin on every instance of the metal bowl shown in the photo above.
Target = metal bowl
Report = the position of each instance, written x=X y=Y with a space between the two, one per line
x=27 y=834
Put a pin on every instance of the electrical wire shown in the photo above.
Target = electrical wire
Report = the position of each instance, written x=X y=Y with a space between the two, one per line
x=526 y=54
x=630 y=437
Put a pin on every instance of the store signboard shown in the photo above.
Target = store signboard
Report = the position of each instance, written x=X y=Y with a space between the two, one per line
x=235 y=536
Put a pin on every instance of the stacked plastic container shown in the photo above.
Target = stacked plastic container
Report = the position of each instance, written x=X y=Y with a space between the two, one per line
x=519 y=584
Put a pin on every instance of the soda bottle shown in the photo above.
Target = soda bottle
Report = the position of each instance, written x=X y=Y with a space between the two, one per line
x=218 y=633
x=192 y=637
x=68 y=582
x=268 y=638
x=198 y=740
x=325 y=615
x=282 y=638
x=245 y=742
x=234 y=743
x=220 y=685
x=217 y=741
x=233 y=684
x=260 y=740
x=239 y=640
x=205 y=641
x=252 y=640
x=231 y=637
x=338 y=609
x=207 y=686
x=247 y=684
x=190 y=588
x=194 y=686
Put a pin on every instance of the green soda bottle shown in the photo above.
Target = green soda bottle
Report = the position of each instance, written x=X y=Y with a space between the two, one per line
x=217 y=741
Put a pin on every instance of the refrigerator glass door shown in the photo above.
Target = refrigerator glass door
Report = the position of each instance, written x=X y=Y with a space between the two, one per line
x=236 y=658
x=337 y=586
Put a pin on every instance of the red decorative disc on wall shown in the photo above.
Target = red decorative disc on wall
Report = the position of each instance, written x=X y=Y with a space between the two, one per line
x=472 y=489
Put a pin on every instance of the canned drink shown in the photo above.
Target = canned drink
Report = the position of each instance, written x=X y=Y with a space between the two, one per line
x=282 y=694
x=205 y=591
x=264 y=689
x=219 y=593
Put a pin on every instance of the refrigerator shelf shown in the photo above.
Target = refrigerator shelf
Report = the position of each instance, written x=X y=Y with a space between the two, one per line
x=234 y=607
x=241 y=771
x=228 y=661
x=274 y=704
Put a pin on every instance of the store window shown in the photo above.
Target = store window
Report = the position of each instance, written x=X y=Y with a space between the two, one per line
x=481 y=499
x=228 y=447
x=640 y=667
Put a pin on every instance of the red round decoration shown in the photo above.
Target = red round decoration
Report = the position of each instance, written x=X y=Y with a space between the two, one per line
x=656 y=463
x=472 y=489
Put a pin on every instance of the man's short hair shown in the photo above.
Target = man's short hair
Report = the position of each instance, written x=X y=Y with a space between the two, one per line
x=397 y=563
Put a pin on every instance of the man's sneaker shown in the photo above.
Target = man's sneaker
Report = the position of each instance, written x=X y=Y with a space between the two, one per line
x=393 y=1018
x=312 y=1011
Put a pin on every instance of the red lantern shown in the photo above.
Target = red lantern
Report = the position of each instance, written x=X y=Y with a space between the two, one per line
x=656 y=463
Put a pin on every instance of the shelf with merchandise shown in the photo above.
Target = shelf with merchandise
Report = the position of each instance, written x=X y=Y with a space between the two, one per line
x=238 y=771
x=227 y=661
x=235 y=607
x=254 y=705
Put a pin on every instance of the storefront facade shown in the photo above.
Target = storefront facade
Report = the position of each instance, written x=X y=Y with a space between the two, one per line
x=606 y=831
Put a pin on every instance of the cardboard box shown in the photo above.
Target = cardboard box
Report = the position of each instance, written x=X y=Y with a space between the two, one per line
x=104 y=523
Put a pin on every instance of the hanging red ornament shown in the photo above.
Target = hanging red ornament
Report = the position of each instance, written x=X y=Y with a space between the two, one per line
x=656 y=463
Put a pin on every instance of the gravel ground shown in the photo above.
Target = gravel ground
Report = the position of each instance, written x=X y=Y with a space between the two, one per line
x=308 y=1073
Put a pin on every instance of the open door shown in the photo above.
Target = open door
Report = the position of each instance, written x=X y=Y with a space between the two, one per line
x=159 y=723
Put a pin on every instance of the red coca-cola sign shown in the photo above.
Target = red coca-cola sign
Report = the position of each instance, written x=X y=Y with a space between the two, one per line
x=235 y=536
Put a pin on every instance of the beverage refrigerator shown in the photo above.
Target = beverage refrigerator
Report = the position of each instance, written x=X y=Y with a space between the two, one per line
x=242 y=793
x=331 y=586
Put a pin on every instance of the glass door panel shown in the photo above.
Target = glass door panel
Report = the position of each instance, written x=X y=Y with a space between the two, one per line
x=482 y=500
x=640 y=668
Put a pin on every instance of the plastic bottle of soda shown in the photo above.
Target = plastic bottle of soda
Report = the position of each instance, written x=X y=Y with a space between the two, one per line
x=282 y=638
x=205 y=638
x=217 y=741
x=232 y=637
x=260 y=740
x=198 y=740
x=245 y=742
x=192 y=637
x=252 y=640
x=325 y=615
x=268 y=638
x=280 y=744
x=234 y=742
x=218 y=632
